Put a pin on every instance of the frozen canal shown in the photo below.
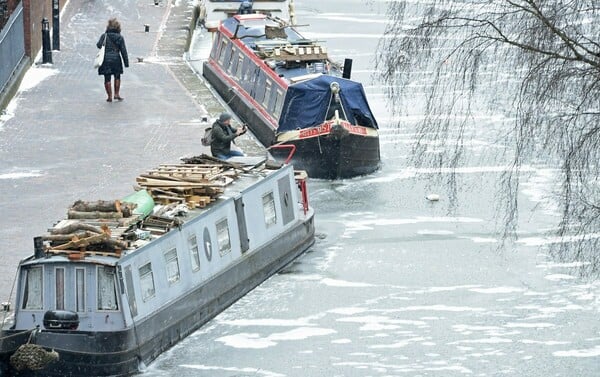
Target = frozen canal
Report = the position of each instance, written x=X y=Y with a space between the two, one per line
x=397 y=285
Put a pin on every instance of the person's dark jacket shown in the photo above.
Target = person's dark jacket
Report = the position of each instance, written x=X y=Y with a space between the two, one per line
x=114 y=50
x=223 y=135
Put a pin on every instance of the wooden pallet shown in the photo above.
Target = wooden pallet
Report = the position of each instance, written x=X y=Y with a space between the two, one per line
x=197 y=185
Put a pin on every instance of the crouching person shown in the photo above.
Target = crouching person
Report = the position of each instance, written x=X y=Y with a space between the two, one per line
x=222 y=136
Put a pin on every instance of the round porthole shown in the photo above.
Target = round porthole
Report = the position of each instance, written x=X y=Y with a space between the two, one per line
x=207 y=244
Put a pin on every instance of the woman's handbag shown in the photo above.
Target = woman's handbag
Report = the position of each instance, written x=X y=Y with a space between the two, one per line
x=100 y=55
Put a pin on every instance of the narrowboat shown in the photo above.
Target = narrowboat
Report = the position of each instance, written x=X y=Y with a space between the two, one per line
x=116 y=283
x=294 y=99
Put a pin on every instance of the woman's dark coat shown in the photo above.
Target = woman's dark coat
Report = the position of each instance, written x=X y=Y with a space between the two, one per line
x=114 y=50
x=223 y=135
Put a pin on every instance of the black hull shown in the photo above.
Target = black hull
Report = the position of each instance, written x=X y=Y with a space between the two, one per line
x=87 y=354
x=326 y=156
x=330 y=157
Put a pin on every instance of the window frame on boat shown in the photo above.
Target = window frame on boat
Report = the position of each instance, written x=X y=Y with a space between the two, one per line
x=233 y=62
x=223 y=52
x=59 y=288
x=223 y=236
x=240 y=67
x=249 y=75
x=207 y=243
x=267 y=96
x=144 y=275
x=107 y=271
x=26 y=288
x=260 y=83
x=278 y=105
x=269 y=209
x=194 y=252
x=172 y=270
x=80 y=294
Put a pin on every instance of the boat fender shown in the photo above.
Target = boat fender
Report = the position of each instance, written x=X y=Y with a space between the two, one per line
x=61 y=319
x=32 y=356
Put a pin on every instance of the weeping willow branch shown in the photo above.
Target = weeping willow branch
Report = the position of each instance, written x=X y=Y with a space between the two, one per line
x=551 y=52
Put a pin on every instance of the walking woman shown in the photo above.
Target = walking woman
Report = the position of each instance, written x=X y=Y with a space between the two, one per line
x=112 y=65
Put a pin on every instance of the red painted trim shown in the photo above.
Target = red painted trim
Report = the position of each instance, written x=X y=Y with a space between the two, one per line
x=325 y=128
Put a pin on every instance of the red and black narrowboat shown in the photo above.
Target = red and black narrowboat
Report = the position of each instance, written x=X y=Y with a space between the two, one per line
x=295 y=100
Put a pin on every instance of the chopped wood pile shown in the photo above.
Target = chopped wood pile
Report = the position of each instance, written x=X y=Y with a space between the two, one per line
x=105 y=227
x=196 y=185
x=79 y=233
x=100 y=209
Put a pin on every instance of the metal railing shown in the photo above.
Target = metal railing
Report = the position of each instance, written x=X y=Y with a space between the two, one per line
x=12 y=46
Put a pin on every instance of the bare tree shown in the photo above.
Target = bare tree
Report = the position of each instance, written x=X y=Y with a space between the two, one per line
x=552 y=50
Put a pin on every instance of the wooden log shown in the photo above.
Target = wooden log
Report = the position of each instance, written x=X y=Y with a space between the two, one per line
x=94 y=215
x=67 y=237
x=80 y=243
x=97 y=206
x=116 y=244
x=72 y=228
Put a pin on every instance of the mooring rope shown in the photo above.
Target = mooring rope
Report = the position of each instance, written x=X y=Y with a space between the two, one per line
x=9 y=298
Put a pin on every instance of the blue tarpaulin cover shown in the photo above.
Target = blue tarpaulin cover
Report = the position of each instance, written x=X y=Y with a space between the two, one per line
x=306 y=103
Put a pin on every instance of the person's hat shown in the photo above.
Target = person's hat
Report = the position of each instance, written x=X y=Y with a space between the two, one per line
x=224 y=117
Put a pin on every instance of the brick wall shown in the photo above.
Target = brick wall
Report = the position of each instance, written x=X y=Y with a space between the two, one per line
x=34 y=11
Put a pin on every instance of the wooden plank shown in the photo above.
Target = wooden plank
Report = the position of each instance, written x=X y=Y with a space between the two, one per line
x=82 y=242
x=151 y=182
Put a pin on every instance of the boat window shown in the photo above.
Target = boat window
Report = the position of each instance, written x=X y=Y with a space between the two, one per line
x=207 y=244
x=146 y=281
x=223 y=52
x=260 y=87
x=278 y=104
x=107 y=293
x=215 y=47
x=80 y=289
x=172 y=266
x=223 y=237
x=60 y=288
x=232 y=64
x=251 y=74
x=194 y=254
x=32 y=294
x=269 y=209
x=267 y=94
x=240 y=67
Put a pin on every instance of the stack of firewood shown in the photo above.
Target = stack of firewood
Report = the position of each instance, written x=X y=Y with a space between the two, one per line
x=100 y=209
x=196 y=185
x=81 y=233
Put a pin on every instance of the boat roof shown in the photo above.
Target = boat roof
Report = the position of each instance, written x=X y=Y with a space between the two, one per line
x=167 y=197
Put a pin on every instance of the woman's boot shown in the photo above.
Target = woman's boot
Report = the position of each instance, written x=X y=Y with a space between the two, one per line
x=108 y=91
x=117 y=88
